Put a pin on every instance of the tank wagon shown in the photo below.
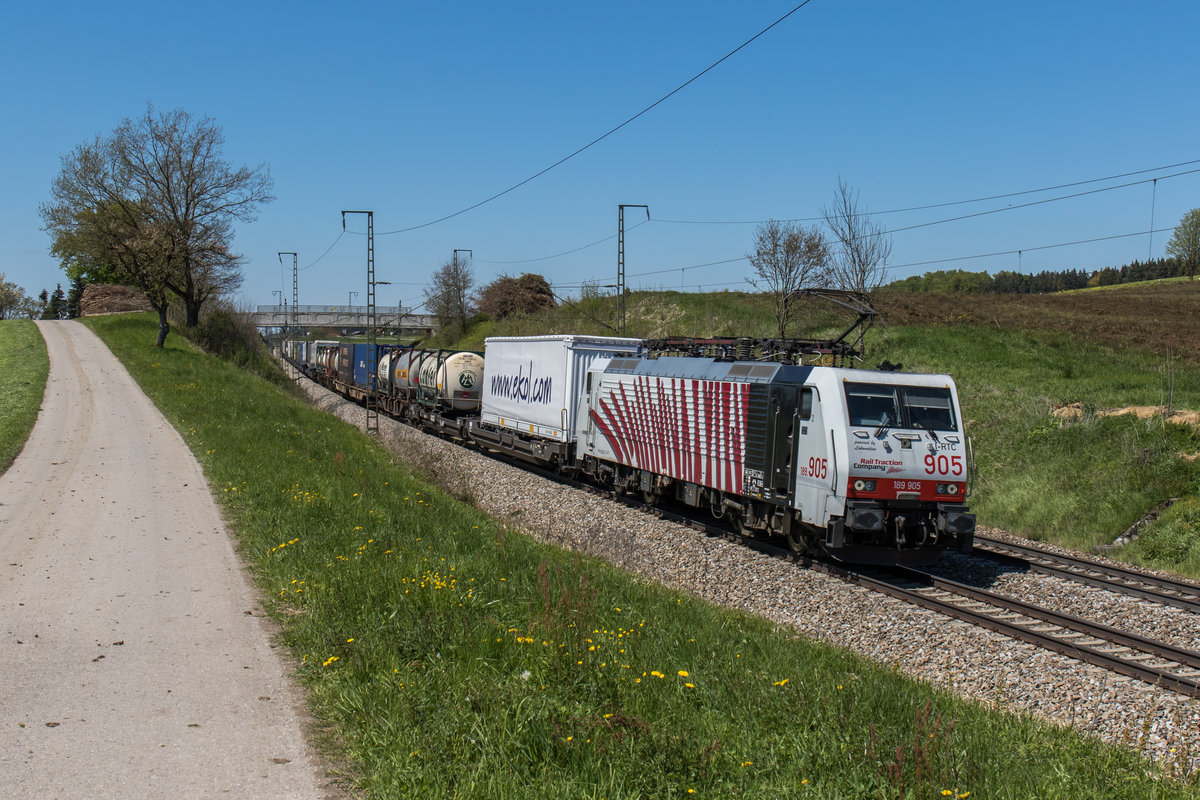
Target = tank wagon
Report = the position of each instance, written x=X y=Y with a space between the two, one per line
x=867 y=466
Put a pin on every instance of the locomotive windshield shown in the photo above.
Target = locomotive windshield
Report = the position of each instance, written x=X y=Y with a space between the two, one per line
x=880 y=405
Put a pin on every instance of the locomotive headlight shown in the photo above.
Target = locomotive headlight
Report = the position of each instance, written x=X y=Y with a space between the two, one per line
x=861 y=485
x=947 y=488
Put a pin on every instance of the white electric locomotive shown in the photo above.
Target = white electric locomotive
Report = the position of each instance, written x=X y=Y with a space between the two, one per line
x=868 y=466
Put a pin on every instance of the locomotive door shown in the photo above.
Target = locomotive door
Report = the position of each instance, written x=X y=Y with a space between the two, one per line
x=784 y=410
x=813 y=462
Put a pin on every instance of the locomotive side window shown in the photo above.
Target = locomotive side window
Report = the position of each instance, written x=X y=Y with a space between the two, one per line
x=806 y=400
x=920 y=407
x=872 y=405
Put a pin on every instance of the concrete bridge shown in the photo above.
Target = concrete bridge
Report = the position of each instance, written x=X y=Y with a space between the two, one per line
x=343 y=318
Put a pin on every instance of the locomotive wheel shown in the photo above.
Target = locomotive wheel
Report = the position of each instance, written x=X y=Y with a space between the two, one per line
x=795 y=540
x=650 y=498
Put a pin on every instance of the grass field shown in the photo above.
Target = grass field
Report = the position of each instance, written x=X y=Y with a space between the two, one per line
x=447 y=657
x=23 y=367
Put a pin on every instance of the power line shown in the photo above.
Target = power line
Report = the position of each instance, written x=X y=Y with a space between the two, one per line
x=954 y=202
x=327 y=251
x=1041 y=202
x=564 y=253
x=604 y=136
x=890 y=211
x=1026 y=249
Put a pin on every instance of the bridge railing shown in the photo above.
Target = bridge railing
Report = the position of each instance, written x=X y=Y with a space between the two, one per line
x=363 y=310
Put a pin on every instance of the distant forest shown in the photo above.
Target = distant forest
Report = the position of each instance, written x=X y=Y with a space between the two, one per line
x=1008 y=282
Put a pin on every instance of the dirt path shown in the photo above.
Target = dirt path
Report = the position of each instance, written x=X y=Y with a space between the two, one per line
x=133 y=660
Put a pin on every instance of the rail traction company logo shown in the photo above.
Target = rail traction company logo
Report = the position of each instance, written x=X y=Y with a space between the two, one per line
x=887 y=465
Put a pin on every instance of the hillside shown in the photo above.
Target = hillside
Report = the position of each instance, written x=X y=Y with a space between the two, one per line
x=1079 y=480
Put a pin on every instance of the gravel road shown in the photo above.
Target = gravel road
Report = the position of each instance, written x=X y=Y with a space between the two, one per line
x=134 y=655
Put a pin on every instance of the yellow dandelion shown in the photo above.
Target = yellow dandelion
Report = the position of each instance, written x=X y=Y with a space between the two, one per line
x=683 y=673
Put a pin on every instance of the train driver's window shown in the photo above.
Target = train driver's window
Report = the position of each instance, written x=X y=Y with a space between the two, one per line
x=872 y=405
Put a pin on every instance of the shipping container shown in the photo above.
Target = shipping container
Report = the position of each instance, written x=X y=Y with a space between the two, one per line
x=533 y=383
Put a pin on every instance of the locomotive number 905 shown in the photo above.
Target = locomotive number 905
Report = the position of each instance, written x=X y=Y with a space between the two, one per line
x=943 y=465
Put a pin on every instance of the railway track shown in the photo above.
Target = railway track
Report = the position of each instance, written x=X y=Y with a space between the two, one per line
x=1125 y=653
x=1087 y=571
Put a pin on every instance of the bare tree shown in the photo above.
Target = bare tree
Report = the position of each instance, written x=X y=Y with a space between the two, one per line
x=862 y=245
x=448 y=296
x=787 y=257
x=155 y=202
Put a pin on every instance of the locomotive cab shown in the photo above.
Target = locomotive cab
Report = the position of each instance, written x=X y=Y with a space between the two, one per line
x=905 y=468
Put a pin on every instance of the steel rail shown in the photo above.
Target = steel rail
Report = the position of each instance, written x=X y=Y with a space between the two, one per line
x=1131 y=582
x=1091 y=654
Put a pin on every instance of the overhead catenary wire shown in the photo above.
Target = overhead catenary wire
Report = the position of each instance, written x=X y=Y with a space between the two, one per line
x=1025 y=249
x=328 y=250
x=565 y=252
x=1153 y=180
x=912 y=208
x=949 y=204
x=607 y=134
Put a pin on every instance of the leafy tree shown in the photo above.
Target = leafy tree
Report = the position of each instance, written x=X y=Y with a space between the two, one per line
x=54 y=305
x=507 y=296
x=154 y=204
x=448 y=296
x=954 y=280
x=1185 y=242
x=787 y=257
x=862 y=245
x=14 y=303
x=113 y=241
x=75 y=297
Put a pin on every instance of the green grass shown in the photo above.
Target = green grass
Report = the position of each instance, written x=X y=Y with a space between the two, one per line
x=23 y=370
x=1077 y=482
x=449 y=657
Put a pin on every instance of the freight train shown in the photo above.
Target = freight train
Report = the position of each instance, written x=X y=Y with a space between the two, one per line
x=865 y=466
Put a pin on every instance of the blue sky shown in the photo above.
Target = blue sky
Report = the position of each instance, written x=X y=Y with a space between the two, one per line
x=417 y=111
